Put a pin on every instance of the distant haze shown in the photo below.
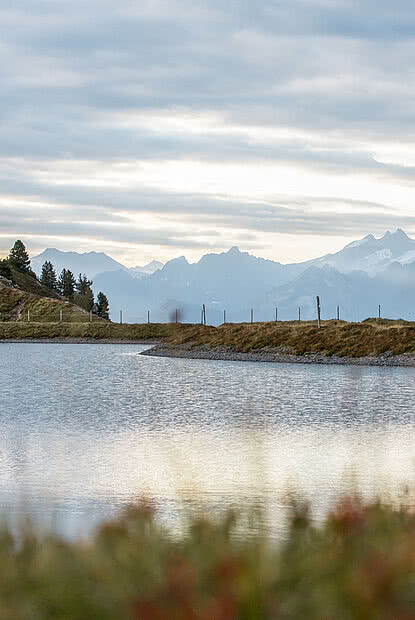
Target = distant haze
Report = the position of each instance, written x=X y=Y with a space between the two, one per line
x=157 y=129
x=366 y=273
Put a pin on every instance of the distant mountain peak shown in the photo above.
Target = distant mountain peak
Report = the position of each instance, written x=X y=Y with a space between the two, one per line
x=234 y=250
x=398 y=234
x=401 y=233
x=90 y=263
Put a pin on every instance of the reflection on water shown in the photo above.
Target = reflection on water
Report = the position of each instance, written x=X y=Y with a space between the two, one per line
x=87 y=428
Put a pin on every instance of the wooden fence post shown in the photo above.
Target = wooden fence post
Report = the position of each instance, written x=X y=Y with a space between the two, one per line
x=299 y=314
x=60 y=316
x=120 y=317
x=252 y=315
x=338 y=313
x=318 y=312
x=276 y=314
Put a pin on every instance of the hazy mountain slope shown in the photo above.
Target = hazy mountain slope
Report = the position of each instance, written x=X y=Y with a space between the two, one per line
x=370 y=254
x=362 y=275
x=89 y=263
x=146 y=270
x=231 y=280
x=357 y=294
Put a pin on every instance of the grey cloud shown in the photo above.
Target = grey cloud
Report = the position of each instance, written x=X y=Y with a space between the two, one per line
x=231 y=219
x=270 y=64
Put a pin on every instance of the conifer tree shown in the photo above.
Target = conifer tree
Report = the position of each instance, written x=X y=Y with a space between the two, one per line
x=48 y=277
x=19 y=258
x=66 y=284
x=84 y=295
x=102 y=306
x=5 y=270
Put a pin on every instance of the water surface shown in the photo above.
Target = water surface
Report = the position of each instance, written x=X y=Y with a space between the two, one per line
x=86 y=429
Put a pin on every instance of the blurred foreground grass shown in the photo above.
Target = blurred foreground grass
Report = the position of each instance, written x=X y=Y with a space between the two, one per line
x=359 y=564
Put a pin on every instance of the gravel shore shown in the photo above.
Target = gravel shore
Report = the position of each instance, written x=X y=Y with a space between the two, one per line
x=280 y=355
x=76 y=341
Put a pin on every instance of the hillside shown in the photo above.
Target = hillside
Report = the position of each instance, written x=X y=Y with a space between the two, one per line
x=43 y=305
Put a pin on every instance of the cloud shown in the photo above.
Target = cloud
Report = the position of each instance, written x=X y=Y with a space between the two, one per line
x=155 y=123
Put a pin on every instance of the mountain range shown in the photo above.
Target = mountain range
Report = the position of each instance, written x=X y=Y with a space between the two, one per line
x=360 y=277
x=89 y=263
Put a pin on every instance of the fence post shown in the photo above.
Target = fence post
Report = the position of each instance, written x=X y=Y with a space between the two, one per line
x=60 y=316
x=28 y=316
x=201 y=315
x=120 y=317
x=318 y=312
x=252 y=315
x=379 y=312
x=148 y=317
x=299 y=314
x=90 y=316
x=204 y=314
x=224 y=316
x=276 y=314
x=338 y=313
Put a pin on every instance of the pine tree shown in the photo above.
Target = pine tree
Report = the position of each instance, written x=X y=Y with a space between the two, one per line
x=48 y=277
x=5 y=270
x=66 y=284
x=102 y=306
x=19 y=258
x=84 y=296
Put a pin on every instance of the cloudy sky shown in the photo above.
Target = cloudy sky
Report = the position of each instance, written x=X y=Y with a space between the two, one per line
x=156 y=128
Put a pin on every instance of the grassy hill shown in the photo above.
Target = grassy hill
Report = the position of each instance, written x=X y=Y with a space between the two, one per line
x=43 y=305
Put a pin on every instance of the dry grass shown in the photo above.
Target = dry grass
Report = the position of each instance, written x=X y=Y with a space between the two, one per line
x=97 y=330
x=334 y=337
x=15 y=304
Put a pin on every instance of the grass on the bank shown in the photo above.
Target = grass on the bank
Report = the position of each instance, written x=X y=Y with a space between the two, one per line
x=97 y=330
x=334 y=338
x=359 y=565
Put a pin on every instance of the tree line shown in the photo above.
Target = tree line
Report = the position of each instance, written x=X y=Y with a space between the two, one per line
x=78 y=291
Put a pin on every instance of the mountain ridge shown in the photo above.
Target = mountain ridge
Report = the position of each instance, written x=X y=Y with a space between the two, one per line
x=365 y=273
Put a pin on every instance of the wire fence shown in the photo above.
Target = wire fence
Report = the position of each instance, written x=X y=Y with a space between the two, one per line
x=81 y=316
x=207 y=315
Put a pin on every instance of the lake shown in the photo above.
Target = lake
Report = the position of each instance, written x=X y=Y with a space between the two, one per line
x=86 y=429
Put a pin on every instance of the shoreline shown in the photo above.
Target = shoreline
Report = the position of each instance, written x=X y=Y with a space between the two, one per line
x=76 y=341
x=278 y=356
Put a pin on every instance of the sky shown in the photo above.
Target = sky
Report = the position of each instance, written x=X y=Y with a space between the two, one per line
x=159 y=128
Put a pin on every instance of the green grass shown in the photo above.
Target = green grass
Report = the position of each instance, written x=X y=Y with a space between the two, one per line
x=360 y=564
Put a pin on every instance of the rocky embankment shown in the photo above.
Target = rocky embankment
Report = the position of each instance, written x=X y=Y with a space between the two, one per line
x=283 y=355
